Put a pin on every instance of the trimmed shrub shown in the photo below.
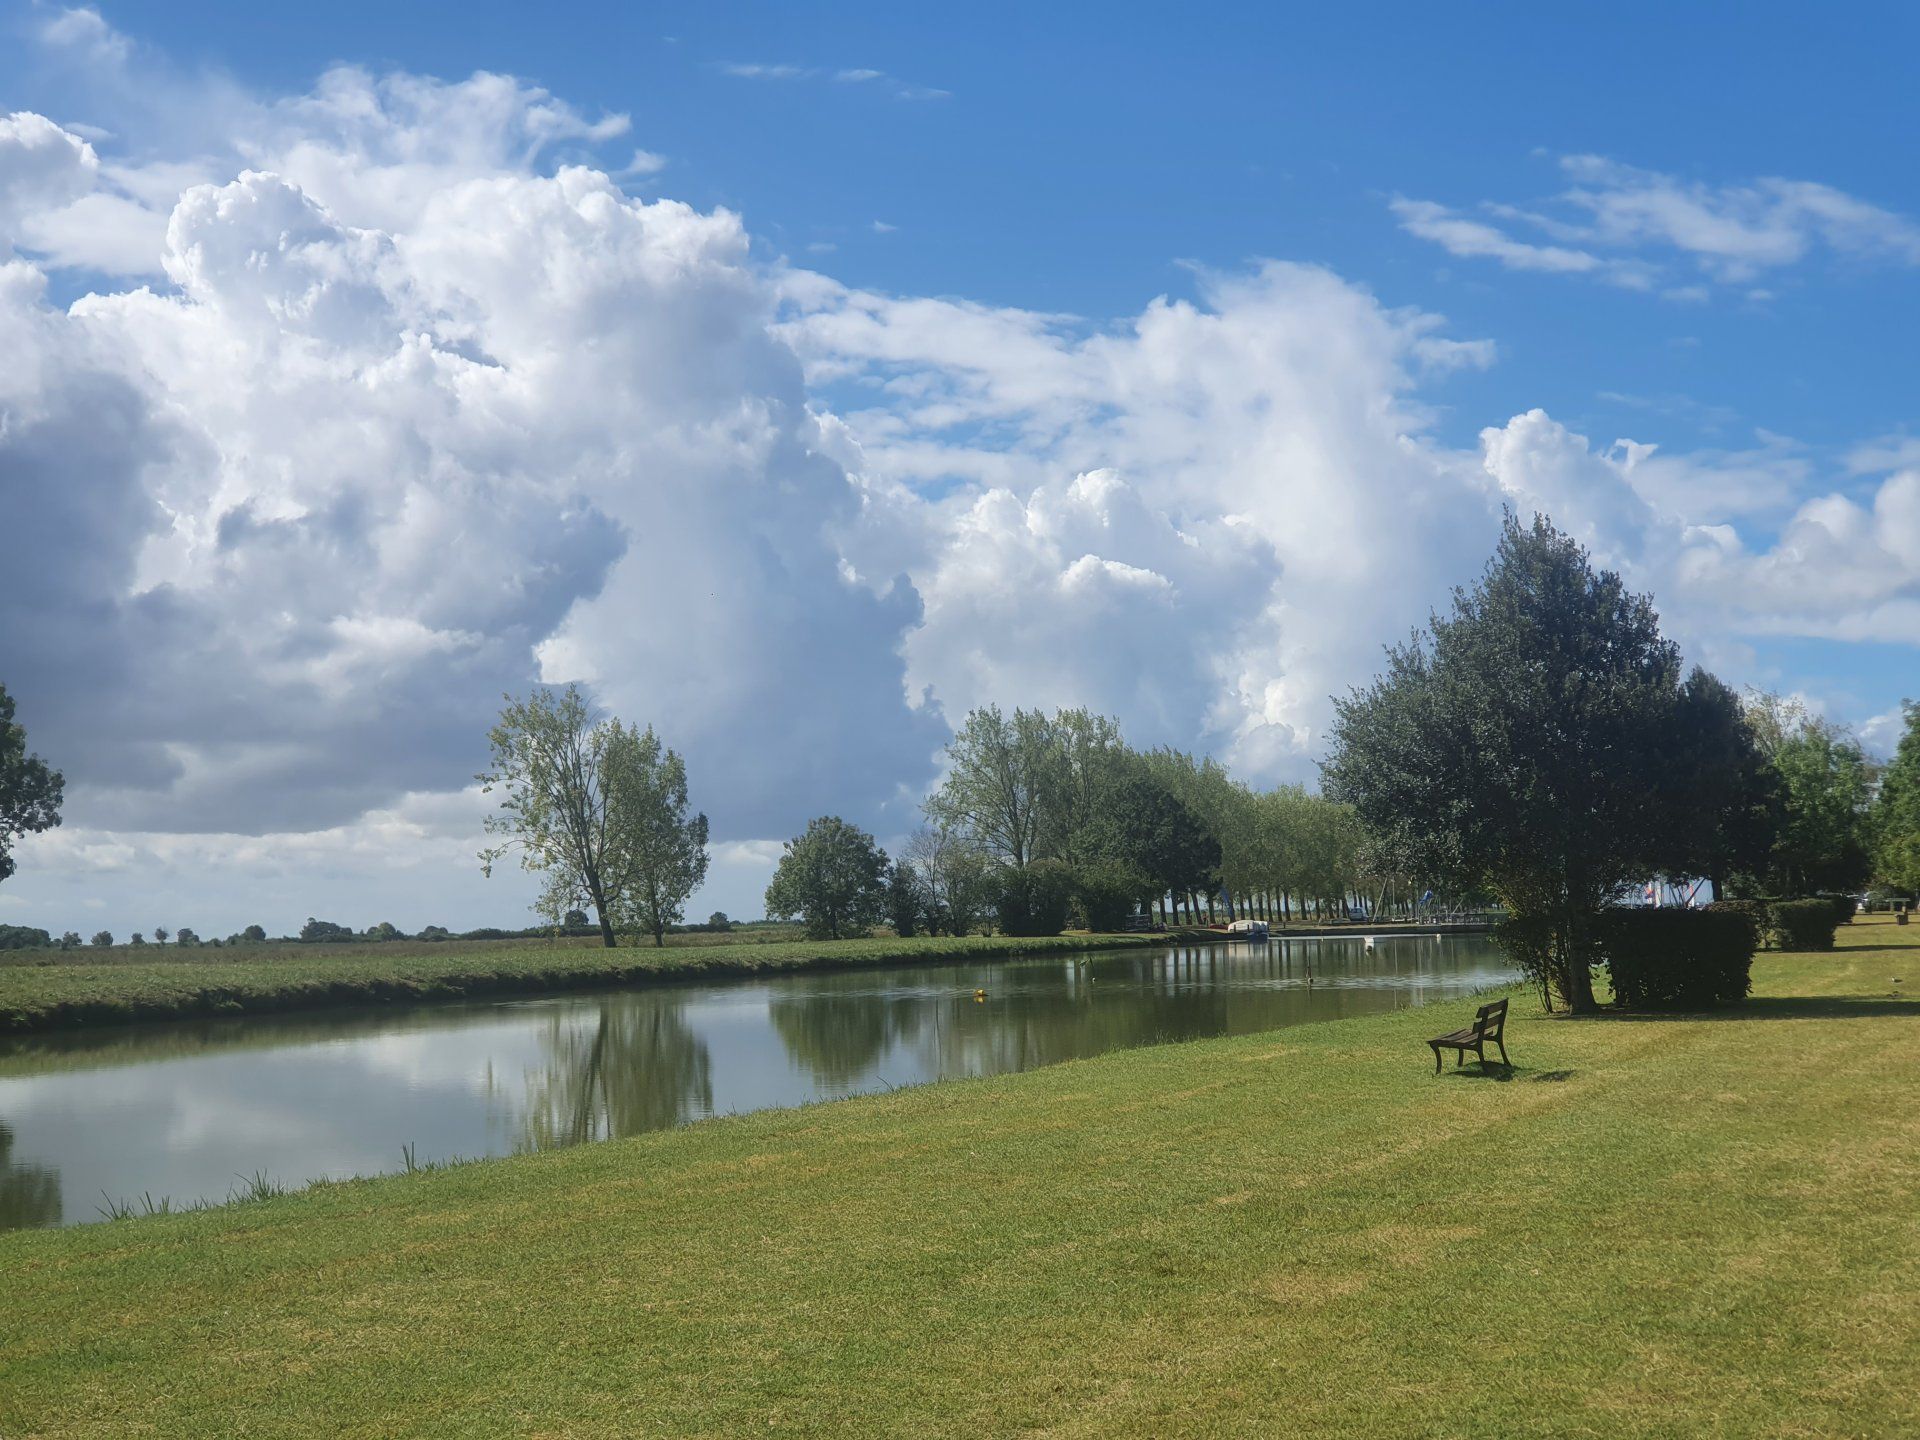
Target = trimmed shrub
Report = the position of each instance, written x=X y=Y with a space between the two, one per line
x=1103 y=895
x=1845 y=907
x=1804 y=924
x=1034 y=901
x=1759 y=913
x=1677 y=959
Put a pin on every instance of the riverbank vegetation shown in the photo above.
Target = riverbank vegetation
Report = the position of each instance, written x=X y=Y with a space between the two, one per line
x=54 y=997
x=1301 y=1233
x=1540 y=742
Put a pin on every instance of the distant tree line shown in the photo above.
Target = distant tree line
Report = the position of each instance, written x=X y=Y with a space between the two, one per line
x=1045 y=821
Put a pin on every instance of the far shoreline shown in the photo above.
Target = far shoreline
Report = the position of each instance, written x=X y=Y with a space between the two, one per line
x=69 y=997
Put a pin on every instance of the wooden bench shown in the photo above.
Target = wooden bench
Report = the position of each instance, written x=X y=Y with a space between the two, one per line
x=1489 y=1024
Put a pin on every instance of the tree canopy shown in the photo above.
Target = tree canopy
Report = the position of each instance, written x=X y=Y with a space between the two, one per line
x=1897 y=811
x=661 y=845
x=1822 y=780
x=30 y=793
x=834 y=877
x=597 y=807
x=1530 y=742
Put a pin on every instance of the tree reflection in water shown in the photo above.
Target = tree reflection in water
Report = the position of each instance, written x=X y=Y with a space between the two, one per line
x=29 y=1194
x=635 y=1065
x=839 y=1039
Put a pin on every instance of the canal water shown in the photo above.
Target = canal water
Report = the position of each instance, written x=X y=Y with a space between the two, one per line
x=188 y=1112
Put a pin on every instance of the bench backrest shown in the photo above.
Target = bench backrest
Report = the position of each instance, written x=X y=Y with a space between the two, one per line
x=1491 y=1019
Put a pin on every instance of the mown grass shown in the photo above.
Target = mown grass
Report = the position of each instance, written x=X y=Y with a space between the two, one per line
x=1654 y=1227
x=58 y=997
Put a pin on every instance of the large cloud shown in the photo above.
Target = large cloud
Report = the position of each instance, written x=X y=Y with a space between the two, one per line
x=42 y=167
x=307 y=514
x=1270 y=491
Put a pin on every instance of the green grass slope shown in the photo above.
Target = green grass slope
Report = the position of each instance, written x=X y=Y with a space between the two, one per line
x=1656 y=1227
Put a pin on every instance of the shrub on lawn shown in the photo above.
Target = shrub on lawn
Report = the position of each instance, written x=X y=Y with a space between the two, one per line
x=1758 y=912
x=1677 y=959
x=1104 y=895
x=1528 y=941
x=1034 y=901
x=1845 y=907
x=1804 y=924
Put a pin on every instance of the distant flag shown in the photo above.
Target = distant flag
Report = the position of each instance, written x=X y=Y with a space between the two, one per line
x=1426 y=897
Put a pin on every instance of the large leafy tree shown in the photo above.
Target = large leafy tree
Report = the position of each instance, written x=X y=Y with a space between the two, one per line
x=1087 y=758
x=834 y=877
x=661 y=845
x=1001 y=773
x=1523 y=743
x=1897 y=812
x=955 y=878
x=598 y=808
x=1726 y=792
x=1824 y=782
x=1153 y=834
x=30 y=793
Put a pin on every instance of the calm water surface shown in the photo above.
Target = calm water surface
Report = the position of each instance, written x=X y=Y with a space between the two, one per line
x=183 y=1111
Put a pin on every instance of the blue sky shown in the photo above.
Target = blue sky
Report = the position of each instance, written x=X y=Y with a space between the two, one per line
x=1420 y=262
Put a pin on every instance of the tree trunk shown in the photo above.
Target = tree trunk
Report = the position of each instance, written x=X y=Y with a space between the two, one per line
x=1573 y=966
x=599 y=898
x=1580 y=999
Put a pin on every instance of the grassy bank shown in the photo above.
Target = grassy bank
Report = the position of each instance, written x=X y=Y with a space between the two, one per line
x=1656 y=1227
x=66 y=996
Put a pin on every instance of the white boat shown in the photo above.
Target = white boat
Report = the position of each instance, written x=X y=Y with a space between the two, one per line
x=1248 y=929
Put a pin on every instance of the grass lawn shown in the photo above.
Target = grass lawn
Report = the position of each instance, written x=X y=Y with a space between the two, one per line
x=1656 y=1227
x=65 y=995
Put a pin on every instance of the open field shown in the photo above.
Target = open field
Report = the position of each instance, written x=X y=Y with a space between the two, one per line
x=1656 y=1227
x=54 y=997
x=277 y=951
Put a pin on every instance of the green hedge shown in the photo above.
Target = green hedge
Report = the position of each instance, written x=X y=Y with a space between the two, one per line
x=1104 y=895
x=1759 y=914
x=1035 y=901
x=1677 y=959
x=1804 y=924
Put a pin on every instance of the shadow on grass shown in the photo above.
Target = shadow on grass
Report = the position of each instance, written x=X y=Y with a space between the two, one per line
x=1770 y=1007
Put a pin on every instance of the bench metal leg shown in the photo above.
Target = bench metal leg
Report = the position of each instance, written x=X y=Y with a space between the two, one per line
x=1436 y=1059
x=1503 y=1054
